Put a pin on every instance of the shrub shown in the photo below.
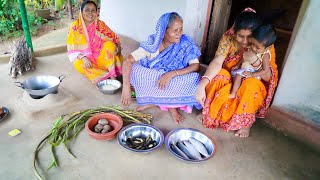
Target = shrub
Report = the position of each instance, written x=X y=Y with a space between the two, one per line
x=10 y=20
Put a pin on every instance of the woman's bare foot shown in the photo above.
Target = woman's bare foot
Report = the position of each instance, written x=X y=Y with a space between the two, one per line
x=244 y=132
x=232 y=95
x=141 y=108
x=177 y=117
x=199 y=117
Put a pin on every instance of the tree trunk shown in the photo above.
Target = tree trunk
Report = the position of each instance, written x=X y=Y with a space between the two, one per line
x=70 y=9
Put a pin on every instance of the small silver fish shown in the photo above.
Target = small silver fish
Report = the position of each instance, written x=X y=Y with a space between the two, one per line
x=179 y=152
x=199 y=146
x=185 y=150
x=195 y=153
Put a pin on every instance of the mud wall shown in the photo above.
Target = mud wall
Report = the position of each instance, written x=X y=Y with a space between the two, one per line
x=137 y=19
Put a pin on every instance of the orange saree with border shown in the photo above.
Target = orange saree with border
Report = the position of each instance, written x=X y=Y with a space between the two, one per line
x=252 y=99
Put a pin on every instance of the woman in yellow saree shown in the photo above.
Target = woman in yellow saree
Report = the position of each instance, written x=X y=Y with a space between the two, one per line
x=93 y=47
x=253 y=97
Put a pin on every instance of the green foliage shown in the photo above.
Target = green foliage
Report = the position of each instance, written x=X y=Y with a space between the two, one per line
x=9 y=17
x=59 y=4
x=62 y=14
x=34 y=22
x=39 y=4
x=10 y=20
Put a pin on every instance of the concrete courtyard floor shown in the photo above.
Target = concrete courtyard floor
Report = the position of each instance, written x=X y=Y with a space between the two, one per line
x=266 y=154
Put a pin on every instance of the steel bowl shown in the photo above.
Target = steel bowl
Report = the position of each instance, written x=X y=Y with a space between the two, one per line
x=140 y=130
x=181 y=134
x=4 y=114
x=40 y=86
x=109 y=86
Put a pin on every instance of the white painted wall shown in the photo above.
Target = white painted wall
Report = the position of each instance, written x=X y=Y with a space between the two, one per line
x=300 y=81
x=137 y=19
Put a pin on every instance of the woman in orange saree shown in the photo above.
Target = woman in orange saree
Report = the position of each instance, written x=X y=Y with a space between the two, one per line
x=93 y=47
x=253 y=97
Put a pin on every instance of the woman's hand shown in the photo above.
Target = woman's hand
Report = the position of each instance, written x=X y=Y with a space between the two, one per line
x=126 y=90
x=201 y=95
x=87 y=63
x=126 y=95
x=165 y=79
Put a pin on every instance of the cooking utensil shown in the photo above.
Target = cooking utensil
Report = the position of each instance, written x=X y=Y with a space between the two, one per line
x=182 y=134
x=109 y=86
x=40 y=86
x=140 y=130
x=114 y=120
x=4 y=114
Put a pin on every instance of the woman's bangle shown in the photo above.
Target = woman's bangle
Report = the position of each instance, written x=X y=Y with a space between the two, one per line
x=177 y=72
x=206 y=77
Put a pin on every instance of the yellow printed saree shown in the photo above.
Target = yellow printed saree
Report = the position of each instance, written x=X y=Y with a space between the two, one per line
x=252 y=99
x=98 y=43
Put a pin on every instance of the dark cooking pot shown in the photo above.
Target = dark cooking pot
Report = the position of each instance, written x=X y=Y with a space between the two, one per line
x=40 y=86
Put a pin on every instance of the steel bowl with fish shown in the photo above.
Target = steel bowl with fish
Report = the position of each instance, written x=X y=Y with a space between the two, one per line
x=141 y=138
x=109 y=86
x=190 y=145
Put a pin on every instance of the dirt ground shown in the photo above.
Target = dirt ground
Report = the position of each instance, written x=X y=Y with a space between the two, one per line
x=266 y=154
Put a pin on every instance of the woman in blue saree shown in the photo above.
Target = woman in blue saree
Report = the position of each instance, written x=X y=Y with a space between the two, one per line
x=166 y=72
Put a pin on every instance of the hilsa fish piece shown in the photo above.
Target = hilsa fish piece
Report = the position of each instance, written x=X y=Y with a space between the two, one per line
x=195 y=153
x=199 y=146
x=179 y=152
x=185 y=150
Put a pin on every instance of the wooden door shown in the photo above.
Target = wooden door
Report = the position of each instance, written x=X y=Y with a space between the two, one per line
x=219 y=18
